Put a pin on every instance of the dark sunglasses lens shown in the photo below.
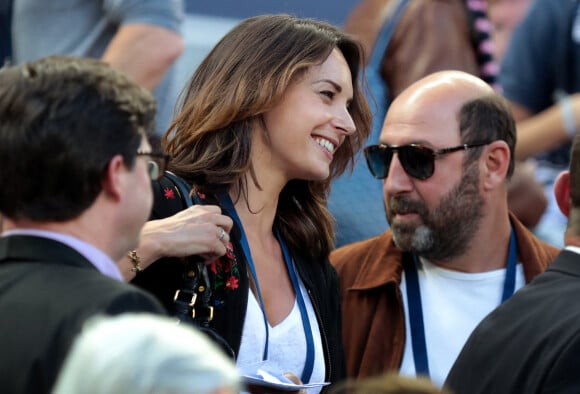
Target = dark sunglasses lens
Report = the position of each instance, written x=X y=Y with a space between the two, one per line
x=418 y=162
x=378 y=160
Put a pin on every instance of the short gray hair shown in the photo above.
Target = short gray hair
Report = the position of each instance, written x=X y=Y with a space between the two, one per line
x=143 y=353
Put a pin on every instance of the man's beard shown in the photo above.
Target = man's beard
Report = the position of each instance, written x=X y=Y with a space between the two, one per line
x=446 y=231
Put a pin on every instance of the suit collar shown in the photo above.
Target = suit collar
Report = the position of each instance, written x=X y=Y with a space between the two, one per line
x=567 y=262
x=25 y=248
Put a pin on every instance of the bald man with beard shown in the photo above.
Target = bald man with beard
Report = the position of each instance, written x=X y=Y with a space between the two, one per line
x=454 y=252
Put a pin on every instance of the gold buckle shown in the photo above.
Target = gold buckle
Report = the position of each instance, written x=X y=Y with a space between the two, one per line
x=193 y=297
x=210 y=313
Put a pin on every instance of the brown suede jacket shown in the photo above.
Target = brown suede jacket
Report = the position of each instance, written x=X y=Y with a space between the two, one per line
x=372 y=306
x=432 y=35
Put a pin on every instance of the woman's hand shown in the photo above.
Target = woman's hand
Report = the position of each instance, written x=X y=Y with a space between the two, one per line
x=256 y=389
x=198 y=230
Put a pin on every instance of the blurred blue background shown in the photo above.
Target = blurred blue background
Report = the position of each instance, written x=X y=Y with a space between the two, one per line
x=333 y=11
x=208 y=20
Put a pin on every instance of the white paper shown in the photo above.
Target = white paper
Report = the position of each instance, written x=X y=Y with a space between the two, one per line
x=267 y=375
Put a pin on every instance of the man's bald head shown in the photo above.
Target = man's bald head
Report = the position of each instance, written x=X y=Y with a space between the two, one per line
x=447 y=86
x=459 y=102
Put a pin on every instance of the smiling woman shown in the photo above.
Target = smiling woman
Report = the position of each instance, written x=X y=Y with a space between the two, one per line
x=269 y=118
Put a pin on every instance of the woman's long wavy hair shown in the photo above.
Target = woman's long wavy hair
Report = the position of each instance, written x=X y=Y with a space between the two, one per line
x=245 y=75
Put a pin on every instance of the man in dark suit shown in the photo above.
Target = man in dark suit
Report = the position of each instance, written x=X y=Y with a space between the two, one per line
x=75 y=174
x=531 y=343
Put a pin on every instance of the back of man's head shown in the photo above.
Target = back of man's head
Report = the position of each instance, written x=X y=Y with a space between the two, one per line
x=62 y=119
x=568 y=193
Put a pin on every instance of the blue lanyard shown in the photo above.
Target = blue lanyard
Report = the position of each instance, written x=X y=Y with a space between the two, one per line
x=227 y=204
x=416 y=310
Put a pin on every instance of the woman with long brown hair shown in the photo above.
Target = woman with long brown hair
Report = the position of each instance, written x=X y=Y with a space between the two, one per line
x=269 y=118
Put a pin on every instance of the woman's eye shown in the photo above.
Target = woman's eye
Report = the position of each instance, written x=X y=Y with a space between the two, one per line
x=328 y=93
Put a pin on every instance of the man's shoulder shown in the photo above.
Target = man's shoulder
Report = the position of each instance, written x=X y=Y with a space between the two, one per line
x=369 y=263
x=77 y=286
x=374 y=245
x=535 y=254
x=98 y=293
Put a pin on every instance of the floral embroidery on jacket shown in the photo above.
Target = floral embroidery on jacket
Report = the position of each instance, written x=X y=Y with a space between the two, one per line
x=168 y=193
x=225 y=270
x=226 y=275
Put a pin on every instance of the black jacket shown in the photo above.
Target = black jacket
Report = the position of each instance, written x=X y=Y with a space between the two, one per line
x=47 y=292
x=531 y=342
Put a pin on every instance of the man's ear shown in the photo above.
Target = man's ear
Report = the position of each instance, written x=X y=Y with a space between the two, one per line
x=497 y=161
x=113 y=178
x=562 y=192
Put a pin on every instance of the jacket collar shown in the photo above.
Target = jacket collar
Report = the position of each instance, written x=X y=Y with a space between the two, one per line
x=380 y=265
x=26 y=248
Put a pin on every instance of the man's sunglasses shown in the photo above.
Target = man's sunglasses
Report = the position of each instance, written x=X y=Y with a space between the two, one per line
x=418 y=161
x=156 y=165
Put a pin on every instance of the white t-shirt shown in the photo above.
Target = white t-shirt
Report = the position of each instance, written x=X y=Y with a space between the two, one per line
x=453 y=304
x=287 y=344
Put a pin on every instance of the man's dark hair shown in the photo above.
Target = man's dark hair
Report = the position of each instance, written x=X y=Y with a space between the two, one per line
x=487 y=119
x=62 y=119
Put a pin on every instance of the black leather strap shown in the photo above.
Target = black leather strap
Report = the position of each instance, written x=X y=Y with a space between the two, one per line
x=192 y=301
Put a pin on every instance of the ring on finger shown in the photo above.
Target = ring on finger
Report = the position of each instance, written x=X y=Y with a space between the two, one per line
x=222 y=235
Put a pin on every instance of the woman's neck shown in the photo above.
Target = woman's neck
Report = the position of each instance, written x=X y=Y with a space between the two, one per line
x=256 y=209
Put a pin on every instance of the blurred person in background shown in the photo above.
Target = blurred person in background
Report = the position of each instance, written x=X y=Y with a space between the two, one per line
x=5 y=32
x=540 y=78
x=390 y=383
x=142 y=38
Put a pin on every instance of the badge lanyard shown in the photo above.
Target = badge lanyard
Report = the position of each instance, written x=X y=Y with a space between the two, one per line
x=416 y=310
x=228 y=205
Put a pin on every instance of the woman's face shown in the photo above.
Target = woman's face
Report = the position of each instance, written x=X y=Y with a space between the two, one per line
x=311 y=122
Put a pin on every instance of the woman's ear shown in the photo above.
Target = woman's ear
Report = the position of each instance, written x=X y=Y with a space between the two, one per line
x=496 y=157
x=562 y=192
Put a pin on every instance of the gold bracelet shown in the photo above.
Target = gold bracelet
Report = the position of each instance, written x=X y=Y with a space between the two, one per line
x=136 y=261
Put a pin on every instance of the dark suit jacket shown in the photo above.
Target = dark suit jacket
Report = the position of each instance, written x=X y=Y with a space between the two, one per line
x=47 y=291
x=531 y=343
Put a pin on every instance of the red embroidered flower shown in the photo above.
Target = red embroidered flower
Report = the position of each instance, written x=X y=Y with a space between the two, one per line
x=168 y=193
x=225 y=272
x=212 y=266
x=232 y=282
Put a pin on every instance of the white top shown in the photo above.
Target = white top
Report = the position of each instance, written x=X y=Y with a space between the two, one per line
x=287 y=347
x=453 y=304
